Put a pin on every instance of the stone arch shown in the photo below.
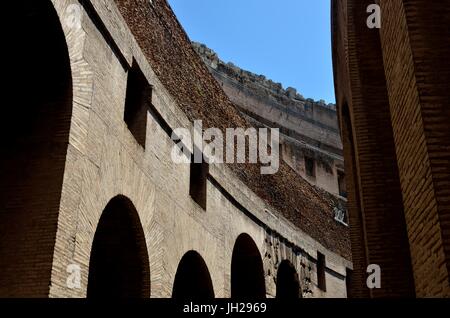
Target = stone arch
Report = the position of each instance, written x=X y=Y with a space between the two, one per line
x=247 y=272
x=35 y=136
x=288 y=284
x=192 y=280
x=119 y=263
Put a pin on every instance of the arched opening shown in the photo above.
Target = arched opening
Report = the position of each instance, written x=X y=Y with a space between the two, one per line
x=192 y=280
x=34 y=134
x=288 y=285
x=119 y=265
x=247 y=272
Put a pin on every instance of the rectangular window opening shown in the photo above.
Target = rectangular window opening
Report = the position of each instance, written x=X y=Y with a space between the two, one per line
x=341 y=184
x=198 y=181
x=321 y=265
x=310 y=167
x=348 y=282
x=137 y=100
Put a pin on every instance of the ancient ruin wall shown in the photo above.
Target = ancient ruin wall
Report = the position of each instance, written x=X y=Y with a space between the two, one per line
x=308 y=128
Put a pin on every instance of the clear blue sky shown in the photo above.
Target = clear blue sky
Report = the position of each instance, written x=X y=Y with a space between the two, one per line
x=288 y=41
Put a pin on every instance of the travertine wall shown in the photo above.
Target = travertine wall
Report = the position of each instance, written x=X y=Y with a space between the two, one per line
x=104 y=160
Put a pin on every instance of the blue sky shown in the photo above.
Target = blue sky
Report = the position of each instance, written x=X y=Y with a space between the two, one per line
x=288 y=41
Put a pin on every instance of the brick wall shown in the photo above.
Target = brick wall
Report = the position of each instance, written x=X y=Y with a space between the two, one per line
x=98 y=159
x=415 y=48
x=380 y=200
x=399 y=76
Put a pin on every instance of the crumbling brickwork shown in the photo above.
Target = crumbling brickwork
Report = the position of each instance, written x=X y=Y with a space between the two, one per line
x=170 y=53
x=309 y=129
x=109 y=201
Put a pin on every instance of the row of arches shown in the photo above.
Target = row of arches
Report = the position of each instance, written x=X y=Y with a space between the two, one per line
x=35 y=142
x=119 y=264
